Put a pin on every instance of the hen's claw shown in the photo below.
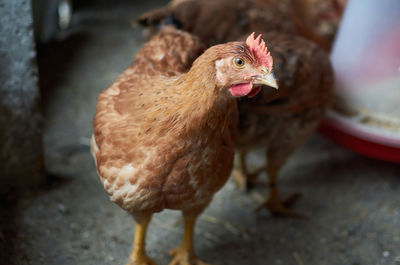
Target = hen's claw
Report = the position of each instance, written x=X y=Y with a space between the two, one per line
x=182 y=256
x=281 y=208
x=145 y=260
x=289 y=201
x=247 y=181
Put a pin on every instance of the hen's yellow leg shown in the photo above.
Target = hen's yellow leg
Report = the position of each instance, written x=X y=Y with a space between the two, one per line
x=138 y=255
x=243 y=179
x=240 y=171
x=184 y=254
x=274 y=204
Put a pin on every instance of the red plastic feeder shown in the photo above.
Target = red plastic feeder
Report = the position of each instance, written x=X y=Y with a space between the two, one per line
x=366 y=59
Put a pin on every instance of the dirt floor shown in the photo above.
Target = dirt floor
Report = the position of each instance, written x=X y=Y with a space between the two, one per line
x=352 y=202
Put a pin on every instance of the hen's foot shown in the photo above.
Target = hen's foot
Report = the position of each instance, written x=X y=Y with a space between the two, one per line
x=144 y=260
x=246 y=182
x=182 y=256
x=282 y=208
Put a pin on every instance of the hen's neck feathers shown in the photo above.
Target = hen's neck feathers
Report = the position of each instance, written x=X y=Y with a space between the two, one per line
x=194 y=99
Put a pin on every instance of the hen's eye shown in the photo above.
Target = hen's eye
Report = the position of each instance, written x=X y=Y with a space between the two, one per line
x=239 y=62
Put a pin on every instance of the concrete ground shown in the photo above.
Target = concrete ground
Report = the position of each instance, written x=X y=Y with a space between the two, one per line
x=352 y=202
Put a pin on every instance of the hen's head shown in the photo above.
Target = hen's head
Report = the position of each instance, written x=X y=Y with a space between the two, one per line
x=244 y=67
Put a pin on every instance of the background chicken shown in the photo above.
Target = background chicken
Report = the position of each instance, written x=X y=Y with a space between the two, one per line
x=208 y=19
x=164 y=130
x=278 y=121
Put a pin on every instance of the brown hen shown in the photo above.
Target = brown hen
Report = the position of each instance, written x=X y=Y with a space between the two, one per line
x=278 y=121
x=164 y=130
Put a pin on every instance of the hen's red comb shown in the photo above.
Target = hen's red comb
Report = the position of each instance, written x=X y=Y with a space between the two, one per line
x=259 y=50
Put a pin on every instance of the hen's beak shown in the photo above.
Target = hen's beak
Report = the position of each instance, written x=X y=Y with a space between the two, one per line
x=266 y=79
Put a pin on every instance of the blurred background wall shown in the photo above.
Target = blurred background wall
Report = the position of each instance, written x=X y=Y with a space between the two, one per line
x=21 y=160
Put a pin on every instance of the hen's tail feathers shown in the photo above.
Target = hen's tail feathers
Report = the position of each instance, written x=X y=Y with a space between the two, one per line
x=156 y=17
